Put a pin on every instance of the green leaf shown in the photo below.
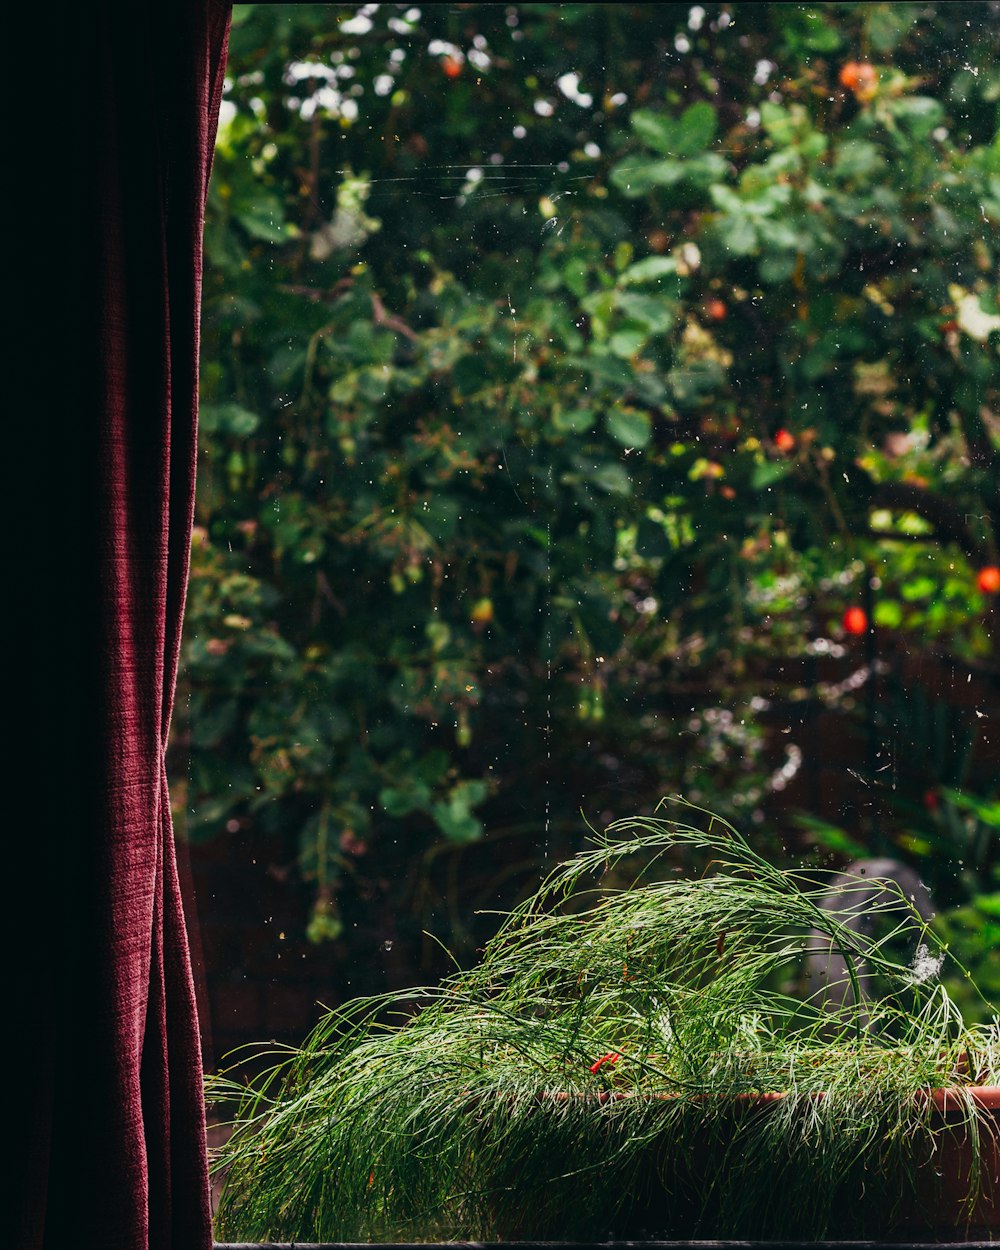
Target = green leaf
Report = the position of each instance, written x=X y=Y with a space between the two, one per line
x=726 y=200
x=640 y=177
x=400 y=801
x=704 y=171
x=987 y=810
x=471 y=793
x=373 y=383
x=612 y=478
x=614 y=373
x=325 y=924
x=989 y=905
x=438 y=634
x=778 y=123
x=683 y=136
x=856 y=158
x=889 y=24
x=457 y=825
x=738 y=234
x=576 y=276
x=657 y=130
x=628 y=340
x=831 y=837
x=918 y=588
x=262 y=220
x=767 y=472
x=344 y=389
x=919 y=113
x=655 y=313
x=651 y=269
x=806 y=30
x=888 y=613
x=573 y=420
x=629 y=427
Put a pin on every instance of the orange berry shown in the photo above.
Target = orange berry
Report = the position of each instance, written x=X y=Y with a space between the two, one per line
x=784 y=440
x=855 y=621
x=988 y=579
x=482 y=612
x=715 y=310
x=451 y=67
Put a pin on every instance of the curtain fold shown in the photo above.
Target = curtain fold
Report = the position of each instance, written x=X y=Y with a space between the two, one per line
x=114 y=1143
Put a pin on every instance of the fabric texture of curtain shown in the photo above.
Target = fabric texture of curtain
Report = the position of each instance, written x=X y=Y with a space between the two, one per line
x=111 y=1148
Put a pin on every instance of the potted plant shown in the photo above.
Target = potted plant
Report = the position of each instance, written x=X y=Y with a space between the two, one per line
x=632 y=1057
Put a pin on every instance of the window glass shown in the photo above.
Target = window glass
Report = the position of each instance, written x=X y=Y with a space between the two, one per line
x=599 y=403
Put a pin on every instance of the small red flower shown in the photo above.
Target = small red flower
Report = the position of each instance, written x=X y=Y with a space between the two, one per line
x=610 y=1057
x=855 y=621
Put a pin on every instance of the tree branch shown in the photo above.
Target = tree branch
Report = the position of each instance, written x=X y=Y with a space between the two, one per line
x=385 y=318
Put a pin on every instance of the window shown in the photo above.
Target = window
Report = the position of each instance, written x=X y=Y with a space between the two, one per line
x=599 y=403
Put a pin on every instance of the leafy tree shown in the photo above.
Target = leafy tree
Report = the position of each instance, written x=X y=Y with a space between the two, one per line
x=576 y=377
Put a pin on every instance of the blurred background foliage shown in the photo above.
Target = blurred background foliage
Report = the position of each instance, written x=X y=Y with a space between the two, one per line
x=594 y=396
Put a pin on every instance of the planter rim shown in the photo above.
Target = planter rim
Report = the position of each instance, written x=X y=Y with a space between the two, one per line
x=986 y=1097
x=948 y=1098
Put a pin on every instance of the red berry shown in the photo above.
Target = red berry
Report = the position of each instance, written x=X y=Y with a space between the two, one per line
x=855 y=621
x=988 y=579
x=451 y=66
x=784 y=440
x=715 y=310
x=859 y=77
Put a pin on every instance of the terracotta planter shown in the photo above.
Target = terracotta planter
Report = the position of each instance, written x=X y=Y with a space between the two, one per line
x=934 y=1207
x=939 y=1206
x=953 y=1163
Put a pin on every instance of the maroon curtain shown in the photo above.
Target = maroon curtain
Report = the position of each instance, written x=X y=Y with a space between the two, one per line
x=121 y=105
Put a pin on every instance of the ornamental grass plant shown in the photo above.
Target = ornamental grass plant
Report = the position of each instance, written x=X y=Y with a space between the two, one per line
x=633 y=1055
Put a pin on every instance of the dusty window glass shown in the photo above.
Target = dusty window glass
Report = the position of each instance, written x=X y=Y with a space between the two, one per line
x=599 y=403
